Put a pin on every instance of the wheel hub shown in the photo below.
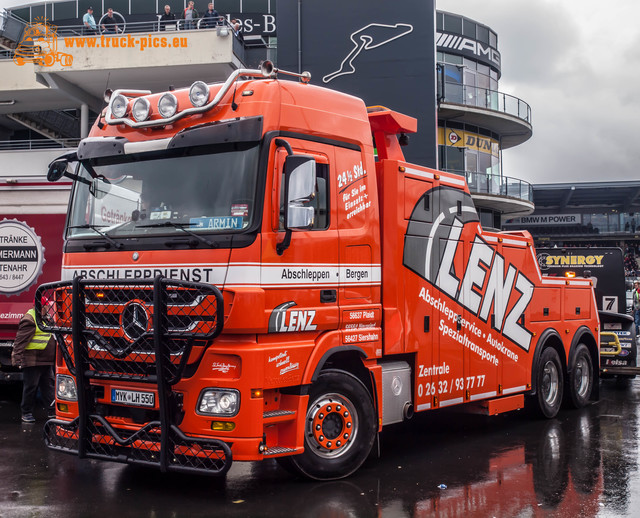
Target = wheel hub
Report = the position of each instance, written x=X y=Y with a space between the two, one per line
x=332 y=425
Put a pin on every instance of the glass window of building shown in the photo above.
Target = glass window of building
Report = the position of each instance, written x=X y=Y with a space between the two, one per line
x=484 y=163
x=452 y=23
x=471 y=160
x=144 y=6
x=483 y=34
x=37 y=13
x=614 y=222
x=599 y=221
x=83 y=5
x=454 y=159
x=23 y=14
x=453 y=84
x=64 y=10
x=255 y=6
x=202 y=6
x=228 y=6
x=177 y=6
x=493 y=39
x=119 y=6
x=470 y=94
x=469 y=29
x=439 y=21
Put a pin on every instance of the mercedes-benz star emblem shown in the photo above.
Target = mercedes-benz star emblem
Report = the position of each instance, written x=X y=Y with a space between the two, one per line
x=135 y=321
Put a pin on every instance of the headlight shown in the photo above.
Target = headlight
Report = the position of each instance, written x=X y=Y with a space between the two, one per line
x=219 y=402
x=168 y=105
x=141 y=109
x=66 y=388
x=199 y=94
x=119 y=106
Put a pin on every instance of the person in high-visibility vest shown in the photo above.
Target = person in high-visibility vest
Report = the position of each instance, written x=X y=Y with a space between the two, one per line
x=34 y=352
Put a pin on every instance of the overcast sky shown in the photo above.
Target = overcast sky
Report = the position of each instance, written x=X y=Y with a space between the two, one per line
x=577 y=64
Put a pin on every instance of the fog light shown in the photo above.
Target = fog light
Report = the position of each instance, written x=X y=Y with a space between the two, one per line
x=119 y=105
x=199 y=94
x=219 y=402
x=223 y=426
x=63 y=407
x=168 y=105
x=141 y=109
x=66 y=388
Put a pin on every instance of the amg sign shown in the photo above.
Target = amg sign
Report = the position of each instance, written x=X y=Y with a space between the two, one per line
x=447 y=42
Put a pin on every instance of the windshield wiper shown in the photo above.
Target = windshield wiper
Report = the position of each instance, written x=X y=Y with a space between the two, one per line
x=180 y=226
x=96 y=228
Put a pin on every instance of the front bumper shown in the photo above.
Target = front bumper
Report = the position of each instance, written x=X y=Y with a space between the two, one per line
x=168 y=449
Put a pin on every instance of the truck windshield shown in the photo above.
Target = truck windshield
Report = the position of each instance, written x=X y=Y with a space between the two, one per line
x=137 y=195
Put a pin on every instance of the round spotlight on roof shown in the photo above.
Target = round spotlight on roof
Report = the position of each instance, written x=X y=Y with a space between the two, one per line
x=119 y=105
x=141 y=109
x=199 y=94
x=167 y=105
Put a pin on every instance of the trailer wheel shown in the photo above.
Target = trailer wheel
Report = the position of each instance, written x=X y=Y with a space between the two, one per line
x=580 y=378
x=548 y=397
x=340 y=428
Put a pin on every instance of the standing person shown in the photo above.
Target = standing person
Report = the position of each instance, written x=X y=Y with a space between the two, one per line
x=167 y=18
x=190 y=15
x=89 y=22
x=34 y=352
x=636 y=305
x=237 y=30
x=109 y=25
x=211 y=18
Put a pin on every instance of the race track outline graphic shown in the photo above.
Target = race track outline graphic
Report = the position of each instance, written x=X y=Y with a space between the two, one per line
x=39 y=45
x=365 y=41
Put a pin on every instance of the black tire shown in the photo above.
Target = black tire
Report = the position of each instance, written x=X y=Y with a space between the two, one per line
x=340 y=428
x=580 y=378
x=549 y=384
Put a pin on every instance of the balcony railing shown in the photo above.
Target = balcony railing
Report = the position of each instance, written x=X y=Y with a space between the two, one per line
x=26 y=145
x=487 y=99
x=167 y=29
x=481 y=183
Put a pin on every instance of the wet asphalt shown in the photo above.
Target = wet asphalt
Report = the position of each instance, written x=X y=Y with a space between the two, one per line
x=584 y=463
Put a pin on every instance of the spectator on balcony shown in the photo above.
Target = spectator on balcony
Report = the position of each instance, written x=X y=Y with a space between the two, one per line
x=237 y=30
x=190 y=16
x=109 y=24
x=167 y=18
x=89 y=22
x=211 y=18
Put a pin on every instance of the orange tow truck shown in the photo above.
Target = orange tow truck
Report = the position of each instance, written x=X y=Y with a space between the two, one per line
x=252 y=271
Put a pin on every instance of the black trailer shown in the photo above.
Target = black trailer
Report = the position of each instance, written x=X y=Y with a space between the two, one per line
x=605 y=266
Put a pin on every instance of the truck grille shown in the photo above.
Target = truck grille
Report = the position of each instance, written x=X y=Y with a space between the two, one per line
x=130 y=331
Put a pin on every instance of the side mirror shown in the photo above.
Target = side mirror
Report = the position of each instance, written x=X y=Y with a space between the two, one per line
x=57 y=170
x=300 y=178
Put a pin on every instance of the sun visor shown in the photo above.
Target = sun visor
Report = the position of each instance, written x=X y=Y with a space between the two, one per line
x=97 y=147
x=246 y=129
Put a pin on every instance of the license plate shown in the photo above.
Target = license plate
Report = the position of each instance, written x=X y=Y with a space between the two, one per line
x=133 y=397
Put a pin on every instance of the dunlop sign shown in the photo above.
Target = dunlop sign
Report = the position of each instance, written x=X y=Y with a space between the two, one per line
x=21 y=257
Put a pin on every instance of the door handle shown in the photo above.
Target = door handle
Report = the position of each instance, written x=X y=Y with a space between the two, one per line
x=327 y=296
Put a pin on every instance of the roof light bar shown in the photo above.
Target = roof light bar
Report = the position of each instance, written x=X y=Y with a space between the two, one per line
x=267 y=71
